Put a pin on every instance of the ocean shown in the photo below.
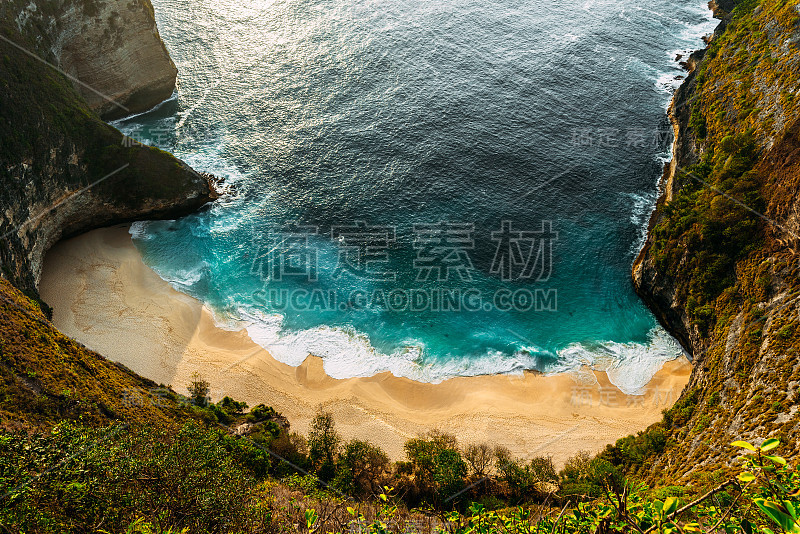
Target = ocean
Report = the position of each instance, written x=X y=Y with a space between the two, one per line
x=433 y=189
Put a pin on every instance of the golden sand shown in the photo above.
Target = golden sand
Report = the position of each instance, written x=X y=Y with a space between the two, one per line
x=104 y=296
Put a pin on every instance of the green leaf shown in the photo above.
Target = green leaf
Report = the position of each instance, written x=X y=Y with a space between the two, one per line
x=747 y=476
x=791 y=509
x=769 y=444
x=311 y=518
x=744 y=445
x=776 y=459
x=670 y=505
x=778 y=514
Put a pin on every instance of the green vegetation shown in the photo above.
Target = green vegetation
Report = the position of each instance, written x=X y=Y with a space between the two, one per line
x=77 y=479
x=200 y=478
x=46 y=377
x=88 y=446
x=744 y=85
x=722 y=254
x=709 y=227
x=198 y=392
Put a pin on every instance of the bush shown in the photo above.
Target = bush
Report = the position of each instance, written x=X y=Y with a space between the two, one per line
x=438 y=468
x=190 y=477
x=323 y=445
x=528 y=480
x=232 y=407
x=291 y=453
x=480 y=460
x=198 y=390
x=362 y=468
x=260 y=413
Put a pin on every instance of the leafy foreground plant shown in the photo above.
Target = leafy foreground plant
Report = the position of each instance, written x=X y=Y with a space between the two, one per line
x=194 y=479
x=763 y=498
x=123 y=479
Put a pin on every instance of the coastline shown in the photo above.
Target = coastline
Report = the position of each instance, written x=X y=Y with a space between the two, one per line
x=104 y=296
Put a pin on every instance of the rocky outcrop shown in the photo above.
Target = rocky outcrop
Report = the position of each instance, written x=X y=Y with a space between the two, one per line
x=111 y=49
x=655 y=287
x=730 y=196
x=64 y=171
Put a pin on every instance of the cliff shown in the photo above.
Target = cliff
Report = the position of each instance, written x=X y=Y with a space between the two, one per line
x=63 y=170
x=110 y=49
x=720 y=265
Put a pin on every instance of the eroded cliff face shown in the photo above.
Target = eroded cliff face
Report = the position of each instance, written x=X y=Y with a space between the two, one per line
x=63 y=170
x=111 y=46
x=720 y=268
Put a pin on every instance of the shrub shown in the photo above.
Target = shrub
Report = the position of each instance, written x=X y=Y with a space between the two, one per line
x=198 y=390
x=362 y=467
x=323 y=445
x=480 y=459
x=438 y=468
x=528 y=480
x=75 y=477
x=260 y=412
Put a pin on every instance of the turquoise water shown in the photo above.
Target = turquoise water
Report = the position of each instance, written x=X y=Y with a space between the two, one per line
x=398 y=138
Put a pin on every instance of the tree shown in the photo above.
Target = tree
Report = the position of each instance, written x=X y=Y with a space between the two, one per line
x=538 y=475
x=480 y=459
x=323 y=444
x=449 y=472
x=543 y=472
x=292 y=452
x=198 y=390
x=261 y=412
x=577 y=467
x=438 y=467
x=361 y=467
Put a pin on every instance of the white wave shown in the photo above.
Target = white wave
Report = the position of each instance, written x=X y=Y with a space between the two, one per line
x=694 y=32
x=669 y=82
x=691 y=39
x=664 y=157
x=346 y=353
x=185 y=279
x=629 y=366
x=118 y=122
x=138 y=231
x=642 y=208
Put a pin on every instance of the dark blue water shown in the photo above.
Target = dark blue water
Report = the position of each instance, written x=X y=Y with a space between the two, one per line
x=375 y=152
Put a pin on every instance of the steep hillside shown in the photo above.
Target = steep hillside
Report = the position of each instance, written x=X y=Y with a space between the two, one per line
x=46 y=377
x=63 y=170
x=720 y=267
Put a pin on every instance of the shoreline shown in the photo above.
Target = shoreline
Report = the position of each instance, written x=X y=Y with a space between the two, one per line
x=103 y=295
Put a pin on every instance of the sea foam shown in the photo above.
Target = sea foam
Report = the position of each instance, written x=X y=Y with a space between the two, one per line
x=346 y=353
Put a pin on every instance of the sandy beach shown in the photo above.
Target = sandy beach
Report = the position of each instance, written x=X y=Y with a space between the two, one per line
x=104 y=296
